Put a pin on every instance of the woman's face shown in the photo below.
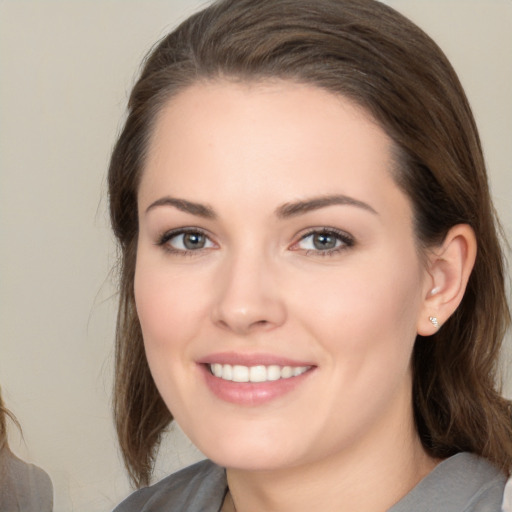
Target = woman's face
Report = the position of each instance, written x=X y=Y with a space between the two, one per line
x=275 y=249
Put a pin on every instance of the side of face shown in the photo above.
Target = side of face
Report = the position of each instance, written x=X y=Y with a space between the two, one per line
x=272 y=234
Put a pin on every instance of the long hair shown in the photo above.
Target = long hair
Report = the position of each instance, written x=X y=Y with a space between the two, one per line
x=374 y=56
x=4 y=414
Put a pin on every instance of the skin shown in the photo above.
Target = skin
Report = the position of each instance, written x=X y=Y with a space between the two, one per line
x=345 y=434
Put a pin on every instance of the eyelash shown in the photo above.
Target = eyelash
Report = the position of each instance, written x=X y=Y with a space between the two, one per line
x=347 y=241
x=165 y=238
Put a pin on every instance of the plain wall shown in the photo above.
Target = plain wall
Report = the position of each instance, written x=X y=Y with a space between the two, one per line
x=66 y=68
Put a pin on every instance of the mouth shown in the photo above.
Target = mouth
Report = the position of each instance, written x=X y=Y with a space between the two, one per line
x=251 y=380
x=257 y=373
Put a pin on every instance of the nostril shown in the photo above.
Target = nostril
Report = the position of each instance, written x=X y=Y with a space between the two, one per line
x=259 y=324
x=247 y=313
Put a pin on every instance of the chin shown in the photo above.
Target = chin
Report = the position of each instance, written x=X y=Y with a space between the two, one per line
x=247 y=449
x=251 y=460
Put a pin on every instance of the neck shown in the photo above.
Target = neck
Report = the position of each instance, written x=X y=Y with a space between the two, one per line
x=370 y=476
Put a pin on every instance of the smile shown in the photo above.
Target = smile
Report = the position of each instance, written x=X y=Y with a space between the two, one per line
x=258 y=373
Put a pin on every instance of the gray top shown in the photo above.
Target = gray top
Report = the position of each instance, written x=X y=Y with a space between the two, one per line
x=23 y=487
x=462 y=483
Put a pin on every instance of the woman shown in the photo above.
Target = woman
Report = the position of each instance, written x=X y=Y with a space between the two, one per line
x=23 y=487
x=311 y=276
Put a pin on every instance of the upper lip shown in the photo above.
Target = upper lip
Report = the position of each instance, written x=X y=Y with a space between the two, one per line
x=264 y=359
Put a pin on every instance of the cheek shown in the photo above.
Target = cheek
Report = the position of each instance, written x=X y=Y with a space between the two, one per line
x=365 y=323
x=364 y=310
x=167 y=307
x=168 y=310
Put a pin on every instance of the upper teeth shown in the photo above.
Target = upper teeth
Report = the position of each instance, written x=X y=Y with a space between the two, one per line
x=260 y=373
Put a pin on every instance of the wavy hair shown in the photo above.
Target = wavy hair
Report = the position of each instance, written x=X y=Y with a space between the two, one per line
x=4 y=414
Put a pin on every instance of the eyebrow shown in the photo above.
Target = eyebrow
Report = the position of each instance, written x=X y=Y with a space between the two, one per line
x=283 y=212
x=198 y=209
x=315 y=203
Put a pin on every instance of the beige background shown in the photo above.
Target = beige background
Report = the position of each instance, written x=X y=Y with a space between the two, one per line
x=65 y=71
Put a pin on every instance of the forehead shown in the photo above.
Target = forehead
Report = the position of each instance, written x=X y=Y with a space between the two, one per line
x=222 y=139
x=244 y=111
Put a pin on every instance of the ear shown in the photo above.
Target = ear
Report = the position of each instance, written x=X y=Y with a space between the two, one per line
x=449 y=268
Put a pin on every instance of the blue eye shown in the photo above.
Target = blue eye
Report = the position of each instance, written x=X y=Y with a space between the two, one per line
x=324 y=241
x=185 y=241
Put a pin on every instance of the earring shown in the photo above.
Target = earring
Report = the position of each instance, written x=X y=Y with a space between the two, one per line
x=434 y=321
x=434 y=290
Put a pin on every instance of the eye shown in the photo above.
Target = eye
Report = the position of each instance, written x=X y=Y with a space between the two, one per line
x=326 y=241
x=185 y=241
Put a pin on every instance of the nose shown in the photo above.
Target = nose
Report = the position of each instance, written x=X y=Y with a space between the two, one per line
x=248 y=298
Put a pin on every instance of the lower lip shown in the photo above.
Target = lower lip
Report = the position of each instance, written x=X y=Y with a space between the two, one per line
x=251 y=393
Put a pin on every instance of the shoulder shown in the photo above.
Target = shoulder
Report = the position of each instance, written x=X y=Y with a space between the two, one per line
x=198 y=487
x=488 y=485
x=23 y=486
x=462 y=483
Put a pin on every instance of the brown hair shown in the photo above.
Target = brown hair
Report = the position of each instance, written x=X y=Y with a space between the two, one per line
x=371 y=54
x=4 y=414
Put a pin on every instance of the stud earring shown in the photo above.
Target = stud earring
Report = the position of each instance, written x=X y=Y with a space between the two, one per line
x=434 y=321
x=434 y=290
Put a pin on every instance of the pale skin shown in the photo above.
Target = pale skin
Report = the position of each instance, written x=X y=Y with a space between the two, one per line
x=300 y=245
